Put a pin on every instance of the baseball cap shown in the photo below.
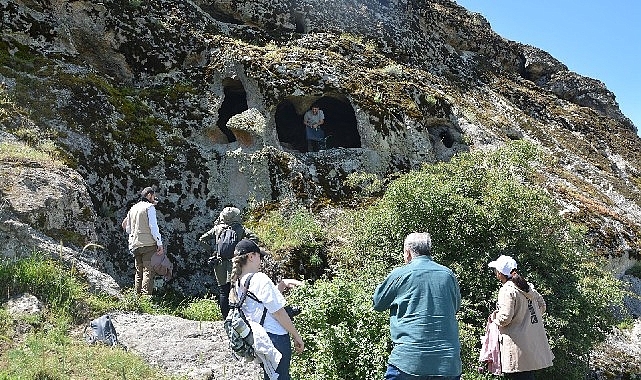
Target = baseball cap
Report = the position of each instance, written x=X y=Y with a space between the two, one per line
x=503 y=264
x=246 y=246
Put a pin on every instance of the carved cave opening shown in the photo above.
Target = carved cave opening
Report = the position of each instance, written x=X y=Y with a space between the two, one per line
x=299 y=22
x=447 y=139
x=234 y=102
x=340 y=122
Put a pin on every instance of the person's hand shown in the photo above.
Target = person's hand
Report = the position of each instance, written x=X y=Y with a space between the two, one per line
x=288 y=283
x=299 y=346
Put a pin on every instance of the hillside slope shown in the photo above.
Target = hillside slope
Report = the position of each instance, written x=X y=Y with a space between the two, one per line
x=204 y=100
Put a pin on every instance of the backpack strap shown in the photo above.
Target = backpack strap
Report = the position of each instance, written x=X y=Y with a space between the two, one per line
x=251 y=295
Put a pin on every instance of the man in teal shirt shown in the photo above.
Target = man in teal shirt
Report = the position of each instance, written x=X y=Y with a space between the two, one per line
x=423 y=298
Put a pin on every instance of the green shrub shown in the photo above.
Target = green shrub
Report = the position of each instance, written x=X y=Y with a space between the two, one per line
x=477 y=207
x=202 y=310
x=343 y=335
x=295 y=230
x=296 y=239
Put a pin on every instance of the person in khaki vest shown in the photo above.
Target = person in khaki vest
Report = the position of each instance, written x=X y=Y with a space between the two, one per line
x=144 y=239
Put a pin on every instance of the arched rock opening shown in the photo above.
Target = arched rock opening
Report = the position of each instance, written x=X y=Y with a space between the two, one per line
x=340 y=122
x=235 y=102
x=299 y=22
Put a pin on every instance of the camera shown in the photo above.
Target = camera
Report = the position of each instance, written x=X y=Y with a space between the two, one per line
x=292 y=311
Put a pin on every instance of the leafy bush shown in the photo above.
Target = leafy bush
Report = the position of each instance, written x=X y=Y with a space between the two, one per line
x=476 y=207
x=296 y=229
x=296 y=238
x=341 y=331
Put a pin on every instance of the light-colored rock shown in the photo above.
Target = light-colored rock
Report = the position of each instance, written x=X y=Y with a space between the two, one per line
x=24 y=304
x=197 y=350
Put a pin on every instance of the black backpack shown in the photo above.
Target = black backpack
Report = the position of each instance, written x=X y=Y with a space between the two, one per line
x=239 y=332
x=102 y=331
x=227 y=241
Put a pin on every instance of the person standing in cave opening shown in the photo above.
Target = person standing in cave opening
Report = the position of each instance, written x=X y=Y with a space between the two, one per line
x=313 y=119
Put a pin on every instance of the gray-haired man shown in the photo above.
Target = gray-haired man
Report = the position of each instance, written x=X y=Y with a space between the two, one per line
x=423 y=298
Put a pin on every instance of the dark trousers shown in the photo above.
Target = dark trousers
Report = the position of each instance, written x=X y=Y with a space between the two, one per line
x=223 y=298
x=314 y=145
x=527 y=375
x=284 y=346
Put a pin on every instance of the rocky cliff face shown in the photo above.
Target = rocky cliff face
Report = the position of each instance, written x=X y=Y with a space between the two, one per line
x=204 y=100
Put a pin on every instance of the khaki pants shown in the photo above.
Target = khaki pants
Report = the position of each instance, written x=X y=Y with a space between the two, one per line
x=144 y=280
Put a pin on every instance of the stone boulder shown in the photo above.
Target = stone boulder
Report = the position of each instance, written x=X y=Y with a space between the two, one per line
x=198 y=350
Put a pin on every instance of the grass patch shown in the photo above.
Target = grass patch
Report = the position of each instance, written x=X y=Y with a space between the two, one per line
x=52 y=355
x=22 y=153
x=41 y=346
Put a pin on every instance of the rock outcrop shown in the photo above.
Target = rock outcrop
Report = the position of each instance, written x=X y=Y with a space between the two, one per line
x=204 y=100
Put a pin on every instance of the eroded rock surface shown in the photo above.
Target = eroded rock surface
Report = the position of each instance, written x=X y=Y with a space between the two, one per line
x=198 y=350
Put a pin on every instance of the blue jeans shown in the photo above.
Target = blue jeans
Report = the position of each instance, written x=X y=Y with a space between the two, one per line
x=284 y=346
x=394 y=373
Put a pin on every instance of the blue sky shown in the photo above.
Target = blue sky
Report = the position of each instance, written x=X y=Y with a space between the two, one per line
x=597 y=39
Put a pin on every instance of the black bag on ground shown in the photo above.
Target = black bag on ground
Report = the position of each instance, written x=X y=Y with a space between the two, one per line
x=102 y=330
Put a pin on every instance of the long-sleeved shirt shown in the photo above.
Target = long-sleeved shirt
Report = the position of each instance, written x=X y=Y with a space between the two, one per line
x=142 y=226
x=423 y=298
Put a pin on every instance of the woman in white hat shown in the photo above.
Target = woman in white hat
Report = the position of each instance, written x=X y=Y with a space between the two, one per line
x=519 y=315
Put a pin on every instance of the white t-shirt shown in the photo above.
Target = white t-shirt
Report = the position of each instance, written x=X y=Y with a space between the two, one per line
x=265 y=290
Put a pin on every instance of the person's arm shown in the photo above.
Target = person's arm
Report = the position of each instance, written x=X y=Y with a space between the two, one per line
x=385 y=293
x=306 y=119
x=538 y=298
x=207 y=234
x=321 y=117
x=125 y=224
x=457 y=294
x=283 y=318
x=505 y=304
x=153 y=226
x=288 y=283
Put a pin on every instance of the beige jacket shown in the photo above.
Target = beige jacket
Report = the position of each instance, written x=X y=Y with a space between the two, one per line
x=523 y=341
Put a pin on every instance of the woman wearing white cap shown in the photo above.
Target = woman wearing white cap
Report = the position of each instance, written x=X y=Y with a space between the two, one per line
x=519 y=315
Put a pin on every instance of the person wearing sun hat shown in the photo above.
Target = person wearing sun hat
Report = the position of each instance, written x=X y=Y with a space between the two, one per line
x=519 y=315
